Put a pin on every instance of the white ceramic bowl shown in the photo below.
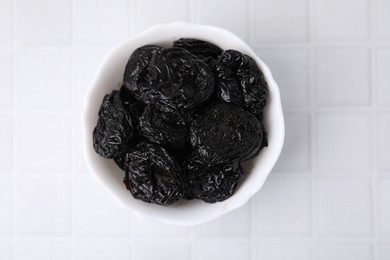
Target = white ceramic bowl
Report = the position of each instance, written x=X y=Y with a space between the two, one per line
x=109 y=77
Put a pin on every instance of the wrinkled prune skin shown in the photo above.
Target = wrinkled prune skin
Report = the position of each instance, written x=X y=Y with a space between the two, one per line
x=121 y=160
x=134 y=107
x=165 y=128
x=240 y=82
x=152 y=175
x=203 y=50
x=136 y=77
x=114 y=130
x=212 y=182
x=182 y=80
x=225 y=133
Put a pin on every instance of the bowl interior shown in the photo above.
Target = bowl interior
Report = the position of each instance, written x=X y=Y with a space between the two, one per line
x=109 y=77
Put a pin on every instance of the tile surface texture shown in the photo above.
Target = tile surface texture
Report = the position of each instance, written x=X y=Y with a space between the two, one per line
x=328 y=197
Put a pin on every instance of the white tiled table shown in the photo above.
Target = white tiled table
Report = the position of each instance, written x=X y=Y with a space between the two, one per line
x=328 y=197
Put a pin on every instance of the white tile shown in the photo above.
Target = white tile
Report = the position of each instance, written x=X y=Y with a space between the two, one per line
x=344 y=141
x=85 y=68
x=78 y=155
x=6 y=22
x=283 y=252
x=6 y=79
x=342 y=77
x=282 y=21
x=154 y=12
x=5 y=250
x=162 y=250
x=295 y=156
x=46 y=80
x=45 y=22
x=97 y=214
x=384 y=207
x=383 y=20
x=291 y=71
x=153 y=229
x=44 y=143
x=34 y=249
x=43 y=206
x=344 y=207
x=7 y=145
x=233 y=16
x=283 y=208
x=383 y=142
x=222 y=250
x=383 y=76
x=102 y=250
x=5 y=206
x=345 y=252
x=342 y=20
x=104 y=22
x=384 y=252
x=222 y=227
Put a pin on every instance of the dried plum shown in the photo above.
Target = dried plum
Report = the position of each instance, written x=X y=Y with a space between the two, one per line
x=114 y=130
x=183 y=120
x=136 y=77
x=212 y=182
x=203 y=50
x=239 y=81
x=152 y=175
x=225 y=133
x=182 y=80
x=164 y=128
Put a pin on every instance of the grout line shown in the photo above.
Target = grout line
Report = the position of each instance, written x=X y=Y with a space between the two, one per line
x=132 y=236
x=194 y=12
x=374 y=141
x=72 y=121
x=248 y=17
x=191 y=239
x=134 y=24
x=252 y=219
x=252 y=29
x=312 y=42
x=15 y=129
x=131 y=15
x=313 y=125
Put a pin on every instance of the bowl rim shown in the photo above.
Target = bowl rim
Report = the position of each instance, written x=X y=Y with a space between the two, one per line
x=235 y=202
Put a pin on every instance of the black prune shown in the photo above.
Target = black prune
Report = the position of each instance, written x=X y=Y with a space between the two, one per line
x=239 y=81
x=114 y=130
x=225 y=133
x=121 y=160
x=203 y=50
x=164 y=128
x=183 y=120
x=152 y=175
x=136 y=77
x=134 y=107
x=182 y=80
x=212 y=182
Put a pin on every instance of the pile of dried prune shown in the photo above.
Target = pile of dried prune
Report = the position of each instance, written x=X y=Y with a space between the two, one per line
x=183 y=120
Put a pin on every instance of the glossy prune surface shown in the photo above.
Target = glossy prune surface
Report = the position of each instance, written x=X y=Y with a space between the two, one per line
x=136 y=77
x=240 y=82
x=182 y=80
x=165 y=128
x=152 y=175
x=183 y=120
x=225 y=133
x=203 y=50
x=212 y=182
x=114 y=130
